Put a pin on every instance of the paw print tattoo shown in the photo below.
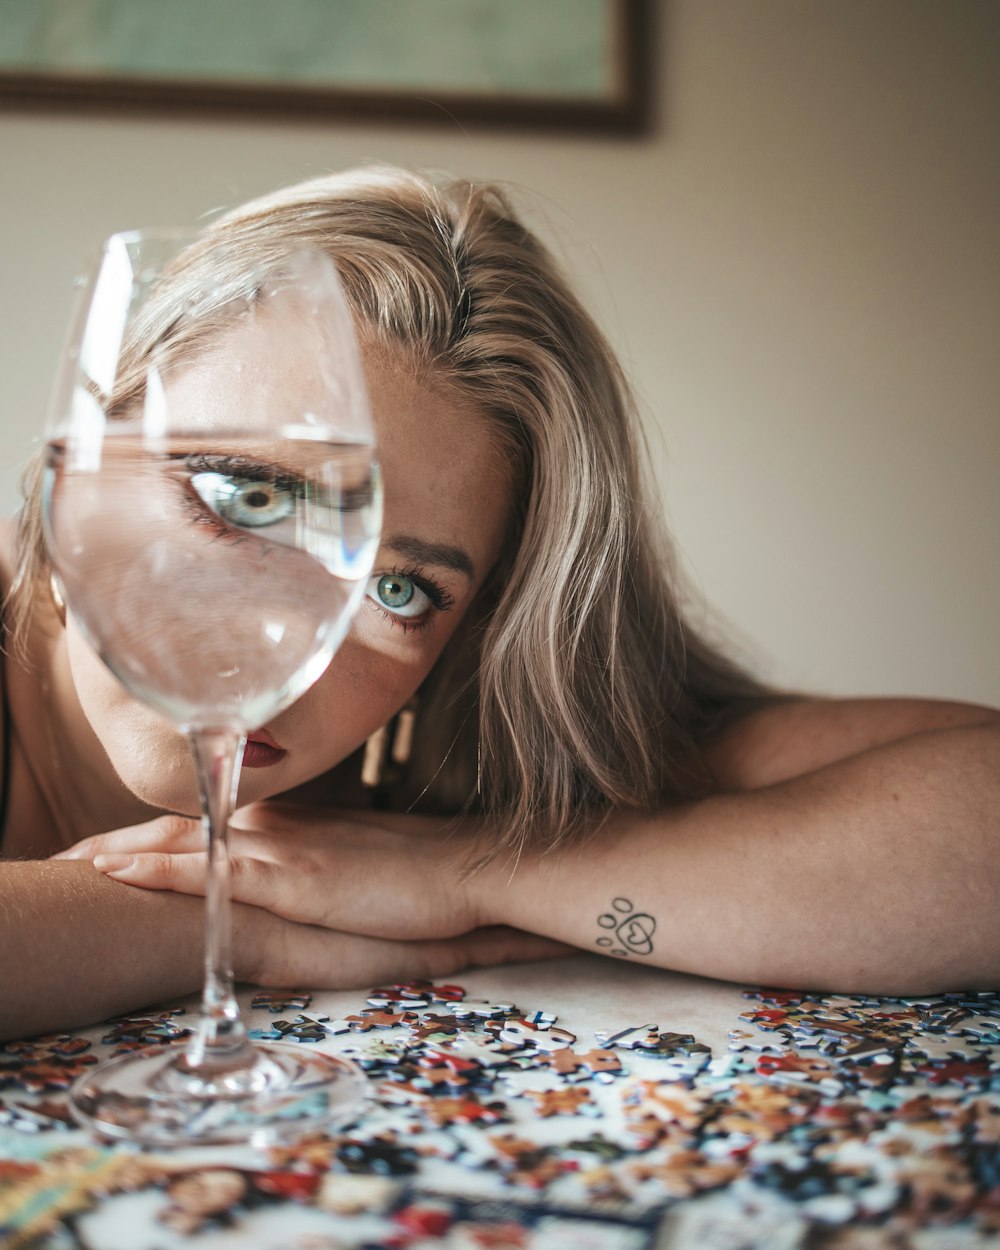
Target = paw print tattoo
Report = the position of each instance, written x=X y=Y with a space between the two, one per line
x=633 y=930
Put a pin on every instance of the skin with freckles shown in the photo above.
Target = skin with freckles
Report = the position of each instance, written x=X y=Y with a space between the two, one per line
x=446 y=503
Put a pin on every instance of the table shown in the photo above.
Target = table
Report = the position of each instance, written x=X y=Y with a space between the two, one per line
x=686 y=1113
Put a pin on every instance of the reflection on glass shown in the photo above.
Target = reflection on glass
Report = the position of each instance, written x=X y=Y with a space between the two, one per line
x=212 y=510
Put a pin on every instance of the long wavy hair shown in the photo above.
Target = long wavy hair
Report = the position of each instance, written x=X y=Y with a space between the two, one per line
x=575 y=686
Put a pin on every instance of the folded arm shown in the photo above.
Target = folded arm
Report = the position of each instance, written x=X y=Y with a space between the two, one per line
x=80 y=947
x=878 y=873
x=854 y=846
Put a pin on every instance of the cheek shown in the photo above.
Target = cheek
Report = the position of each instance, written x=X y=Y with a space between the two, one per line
x=361 y=690
x=102 y=697
x=150 y=757
x=374 y=673
x=381 y=666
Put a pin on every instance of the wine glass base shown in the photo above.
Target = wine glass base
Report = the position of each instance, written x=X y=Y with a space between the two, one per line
x=149 y=1097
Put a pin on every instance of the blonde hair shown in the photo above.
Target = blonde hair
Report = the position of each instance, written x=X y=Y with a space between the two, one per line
x=576 y=685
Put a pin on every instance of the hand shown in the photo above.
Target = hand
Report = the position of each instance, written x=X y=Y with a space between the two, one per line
x=368 y=873
x=304 y=856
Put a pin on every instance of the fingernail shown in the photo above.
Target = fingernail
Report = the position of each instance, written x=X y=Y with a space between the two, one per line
x=115 y=864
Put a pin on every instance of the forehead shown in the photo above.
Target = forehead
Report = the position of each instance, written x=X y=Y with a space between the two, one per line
x=447 y=478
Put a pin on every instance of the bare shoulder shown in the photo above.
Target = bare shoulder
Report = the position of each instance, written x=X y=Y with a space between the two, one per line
x=795 y=737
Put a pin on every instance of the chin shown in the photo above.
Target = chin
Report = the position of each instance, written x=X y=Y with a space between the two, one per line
x=168 y=784
x=175 y=788
x=182 y=800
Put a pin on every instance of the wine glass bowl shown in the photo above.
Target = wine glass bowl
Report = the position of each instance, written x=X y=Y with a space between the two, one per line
x=226 y=473
x=211 y=508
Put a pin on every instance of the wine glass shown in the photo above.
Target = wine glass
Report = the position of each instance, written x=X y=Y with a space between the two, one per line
x=212 y=507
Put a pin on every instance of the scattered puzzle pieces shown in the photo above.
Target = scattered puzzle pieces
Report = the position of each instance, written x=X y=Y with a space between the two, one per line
x=569 y=1101
x=277 y=1002
x=867 y=1112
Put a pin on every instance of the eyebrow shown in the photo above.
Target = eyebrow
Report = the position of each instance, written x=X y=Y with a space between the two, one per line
x=441 y=554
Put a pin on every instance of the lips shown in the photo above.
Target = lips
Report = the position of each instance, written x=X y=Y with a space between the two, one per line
x=262 y=751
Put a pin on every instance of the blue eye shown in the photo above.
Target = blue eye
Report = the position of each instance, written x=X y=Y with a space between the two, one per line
x=395 y=591
x=410 y=600
x=399 y=595
x=250 y=503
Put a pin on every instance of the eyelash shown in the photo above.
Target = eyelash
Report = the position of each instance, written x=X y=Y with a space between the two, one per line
x=229 y=466
x=441 y=599
x=237 y=466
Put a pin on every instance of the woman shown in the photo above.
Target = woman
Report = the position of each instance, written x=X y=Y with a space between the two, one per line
x=586 y=771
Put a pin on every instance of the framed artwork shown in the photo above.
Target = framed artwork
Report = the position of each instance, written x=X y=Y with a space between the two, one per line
x=575 y=64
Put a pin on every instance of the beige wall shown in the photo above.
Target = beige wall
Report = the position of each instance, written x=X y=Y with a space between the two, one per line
x=800 y=268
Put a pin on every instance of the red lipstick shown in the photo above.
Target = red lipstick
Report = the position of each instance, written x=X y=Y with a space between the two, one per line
x=262 y=751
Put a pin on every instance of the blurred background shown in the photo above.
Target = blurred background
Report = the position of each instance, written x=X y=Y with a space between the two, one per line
x=798 y=262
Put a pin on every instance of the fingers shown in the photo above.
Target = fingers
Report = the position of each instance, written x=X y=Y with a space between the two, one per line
x=257 y=882
x=171 y=832
x=184 y=874
x=266 y=887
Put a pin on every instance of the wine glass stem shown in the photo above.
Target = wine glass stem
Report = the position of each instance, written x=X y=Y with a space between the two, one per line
x=220 y=1042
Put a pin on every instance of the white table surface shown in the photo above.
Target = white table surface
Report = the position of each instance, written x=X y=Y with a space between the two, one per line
x=587 y=994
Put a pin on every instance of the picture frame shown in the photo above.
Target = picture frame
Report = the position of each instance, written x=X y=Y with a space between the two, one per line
x=536 y=64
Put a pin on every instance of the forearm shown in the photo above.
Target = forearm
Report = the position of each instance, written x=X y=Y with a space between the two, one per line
x=78 y=947
x=878 y=873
